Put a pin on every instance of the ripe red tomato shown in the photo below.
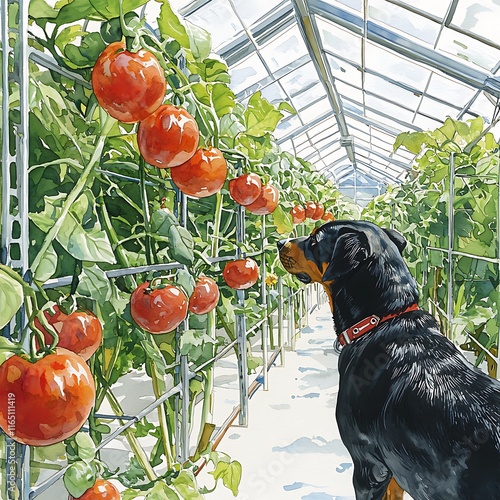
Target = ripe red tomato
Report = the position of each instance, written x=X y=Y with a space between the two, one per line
x=241 y=274
x=80 y=331
x=129 y=86
x=267 y=201
x=203 y=175
x=328 y=217
x=245 y=189
x=45 y=402
x=158 y=310
x=102 y=490
x=168 y=137
x=310 y=209
x=205 y=296
x=319 y=212
x=298 y=213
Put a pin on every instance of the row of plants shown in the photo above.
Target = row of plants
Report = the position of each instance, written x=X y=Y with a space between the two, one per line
x=420 y=209
x=147 y=119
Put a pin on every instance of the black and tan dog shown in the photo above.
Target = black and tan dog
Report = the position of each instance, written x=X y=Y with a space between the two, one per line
x=410 y=407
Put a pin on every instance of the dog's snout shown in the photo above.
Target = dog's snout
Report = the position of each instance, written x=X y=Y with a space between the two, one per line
x=281 y=244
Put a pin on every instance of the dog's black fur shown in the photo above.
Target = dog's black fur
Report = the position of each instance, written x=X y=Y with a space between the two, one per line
x=409 y=405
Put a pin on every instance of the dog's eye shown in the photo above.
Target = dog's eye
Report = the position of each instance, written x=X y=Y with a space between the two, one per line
x=305 y=278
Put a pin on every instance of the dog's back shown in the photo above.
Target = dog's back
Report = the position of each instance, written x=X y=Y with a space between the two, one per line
x=428 y=416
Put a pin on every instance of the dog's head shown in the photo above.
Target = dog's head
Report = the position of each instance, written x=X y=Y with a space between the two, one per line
x=357 y=258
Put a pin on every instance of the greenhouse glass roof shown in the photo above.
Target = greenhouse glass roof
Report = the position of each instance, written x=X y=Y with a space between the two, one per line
x=358 y=72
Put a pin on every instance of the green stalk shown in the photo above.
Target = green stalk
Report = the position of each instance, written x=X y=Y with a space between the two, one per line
x=80 y=185
x=145 y=211
x=159 y=389
x=132 y=440
x=206 y=411
x=217 y=221
x=109 y=372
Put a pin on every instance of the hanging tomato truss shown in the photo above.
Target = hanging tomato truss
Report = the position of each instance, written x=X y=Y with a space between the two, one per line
x=85 y=222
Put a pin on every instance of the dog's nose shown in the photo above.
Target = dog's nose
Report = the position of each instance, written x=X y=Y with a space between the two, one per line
x=281 y=244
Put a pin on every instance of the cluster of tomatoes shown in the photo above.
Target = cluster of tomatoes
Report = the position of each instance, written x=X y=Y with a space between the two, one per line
x=311 y=210
x=257 y=198
x=131 y=87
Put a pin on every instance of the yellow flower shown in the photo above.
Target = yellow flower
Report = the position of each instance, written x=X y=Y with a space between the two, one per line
x=271 y=279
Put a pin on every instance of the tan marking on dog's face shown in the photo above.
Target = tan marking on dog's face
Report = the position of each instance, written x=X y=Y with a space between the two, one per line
x=294 y=261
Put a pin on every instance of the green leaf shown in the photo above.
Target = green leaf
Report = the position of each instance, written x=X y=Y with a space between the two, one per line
x=282 y=220
x=184 y=279
x=162 y=220
x=261 y=116
x=198 y=345
x=230 y=473
x=11 y=298
x=111 y=8
x=8 y=348
x=40 y=9
x=170 y=25
x=285 y=106
x=79 y=477
x=185 y=485
x=161 y=491
x=74 y=11
x=223 y=99
x=50 y=453
x=86 y=447
x=47 y=266
x=200 y=41
x=181 y=244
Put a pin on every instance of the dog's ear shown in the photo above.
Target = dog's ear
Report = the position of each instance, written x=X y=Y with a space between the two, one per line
x=351 y=249
x=397 y=238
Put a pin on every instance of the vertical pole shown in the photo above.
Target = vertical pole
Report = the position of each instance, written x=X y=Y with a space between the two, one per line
x=498 y=268
x=451 y=240
x=263 y=291
x=182 y=400
x=291 y=320
x=241 y=330
x=280 y=320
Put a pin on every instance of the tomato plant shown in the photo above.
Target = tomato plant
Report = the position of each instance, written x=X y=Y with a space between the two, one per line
x=245 y=189
x=47 y=401
x=266 y=202
x=204 y=297
x=168 y=137
x=241 y=274
x=298 y=214
x=101 y=490
x=203 y=175
x=79 y=331
x=160 y=309
x=129 y=86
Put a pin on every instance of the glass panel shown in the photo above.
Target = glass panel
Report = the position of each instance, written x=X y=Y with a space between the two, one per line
x=339 y=41
x=426 y=123
x=350 y=92
x=404 y=21
x=316 y=110
x=274 y=93
x=480 y=18
x=353 y=4
x=246 y=73
x=302 y=77
x=437 y=109
x=468 y=49
x=217 y=13
x=396 y=68
x=449 y=90
x=284 y=49
x=343 y=71
x=254 y=10
x=382 y=87
x=389 y=109
x=286 y=127
x=482 y=106
x=305 y=152
x=431 y=6
x=311 y=94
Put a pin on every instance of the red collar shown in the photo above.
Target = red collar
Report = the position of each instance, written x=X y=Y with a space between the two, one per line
x=368 y=324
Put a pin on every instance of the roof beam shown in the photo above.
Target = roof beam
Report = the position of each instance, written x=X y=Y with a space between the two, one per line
x=309 y=31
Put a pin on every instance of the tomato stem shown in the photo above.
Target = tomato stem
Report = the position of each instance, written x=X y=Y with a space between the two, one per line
x=80 y=185
x=150 y=255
